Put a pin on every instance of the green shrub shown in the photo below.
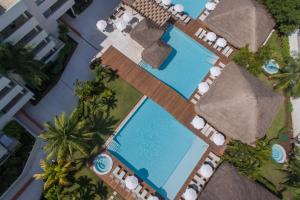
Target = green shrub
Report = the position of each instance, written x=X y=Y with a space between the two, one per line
x=14 y=129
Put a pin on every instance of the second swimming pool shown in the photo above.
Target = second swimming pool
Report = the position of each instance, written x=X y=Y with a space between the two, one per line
x=158 y=148
x=186 y=66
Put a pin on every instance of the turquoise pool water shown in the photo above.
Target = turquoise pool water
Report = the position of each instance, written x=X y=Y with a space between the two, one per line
x=186 y=66
x=192 y=7
x=158 y=149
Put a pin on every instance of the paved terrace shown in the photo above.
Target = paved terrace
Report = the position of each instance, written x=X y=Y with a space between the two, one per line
x=159 y=92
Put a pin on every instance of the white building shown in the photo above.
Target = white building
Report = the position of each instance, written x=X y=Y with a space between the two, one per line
x=33 y=23
x=12 y=98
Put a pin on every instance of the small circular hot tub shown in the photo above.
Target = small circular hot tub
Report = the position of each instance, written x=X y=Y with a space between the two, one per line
x=271 y=67
x=102 y=164
x=278 y=153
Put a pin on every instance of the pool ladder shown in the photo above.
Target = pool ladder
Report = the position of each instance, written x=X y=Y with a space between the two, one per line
x=114 y=146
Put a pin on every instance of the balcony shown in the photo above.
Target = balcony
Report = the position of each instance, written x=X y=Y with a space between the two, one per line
x=14 y=26
x=58 y=9
x=29 y=36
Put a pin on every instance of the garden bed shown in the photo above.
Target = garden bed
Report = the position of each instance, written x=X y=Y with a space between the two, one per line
x=13 y=167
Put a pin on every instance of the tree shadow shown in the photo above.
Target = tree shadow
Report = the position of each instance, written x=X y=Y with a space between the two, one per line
x=86 y=189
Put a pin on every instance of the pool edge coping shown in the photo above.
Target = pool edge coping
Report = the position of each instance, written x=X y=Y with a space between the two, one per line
x=125 y=120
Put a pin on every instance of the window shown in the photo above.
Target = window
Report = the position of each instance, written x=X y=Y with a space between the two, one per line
x=54 y=7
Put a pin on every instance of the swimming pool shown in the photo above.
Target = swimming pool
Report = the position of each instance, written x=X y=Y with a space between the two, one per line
x=186 y=66
x=192 y=7
x=157 y=148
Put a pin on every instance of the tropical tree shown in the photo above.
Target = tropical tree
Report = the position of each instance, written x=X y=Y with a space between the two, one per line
x=248 y=159
x=55 y=173
x=66 y=136
x=288 y=79
x=20 y=60
x=293 y=170
x=63 y=31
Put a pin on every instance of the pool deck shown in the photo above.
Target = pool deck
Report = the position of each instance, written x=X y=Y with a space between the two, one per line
x=192 y=27
x=162 y=94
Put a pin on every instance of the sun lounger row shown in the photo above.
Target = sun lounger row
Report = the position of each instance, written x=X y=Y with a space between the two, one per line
x=198 y=181
x=206 y=12
x=209 y=81
x=140 y=192
x=181 y=16
x=201 y=34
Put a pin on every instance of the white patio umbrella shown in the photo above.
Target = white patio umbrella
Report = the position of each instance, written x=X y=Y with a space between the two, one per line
x=153 y=198
x=218 y=139
x=198 y=123
x=190 y=194
x=215 y=71
x=210 y=5
x=166 y=2
x=206 y=170
x=131 y=182
x=221 y=42
x=101 y=25
x=211 y=36
x=121 y=25
x=203 y=87
x=127 y=17
x=179 y=8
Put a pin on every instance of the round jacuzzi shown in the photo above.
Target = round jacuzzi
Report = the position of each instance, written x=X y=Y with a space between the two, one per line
x=102 y=164
x=271 y=67
x=278 y=153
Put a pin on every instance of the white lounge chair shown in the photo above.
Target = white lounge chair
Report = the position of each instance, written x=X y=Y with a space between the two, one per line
x=187 y=20
x=206 y=12
x=205 y=128
x=225 y=50
x=222 y=65
x=193 y=101
x=121 y=175
x=144 y=194
x=198 y=32
x=229 y=52
x=212 y=77
x=200 y=180
x=116 y=170
x=138 y=189
x=214 y=157
x=209 y=81
x=215 y=46
x=202 y=17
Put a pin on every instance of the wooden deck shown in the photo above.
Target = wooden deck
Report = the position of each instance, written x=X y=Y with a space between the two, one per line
x=162 y=94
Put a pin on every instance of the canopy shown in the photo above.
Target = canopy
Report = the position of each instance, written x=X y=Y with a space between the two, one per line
x=210 y=5
x=166 y=2
x=206 y=170
x=198 y=123
x=190 y=194
x=203 y=87
x=121 y=25
x=221 y=42
x=131 y=182
x=101 y=25
x=211 y=36
x=218 y=139
x=127 y=17
x=215 y=71
x=179 y=8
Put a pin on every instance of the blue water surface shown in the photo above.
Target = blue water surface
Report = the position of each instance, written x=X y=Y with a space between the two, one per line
x=186 y=66
x=159 y=149
x=192 y=7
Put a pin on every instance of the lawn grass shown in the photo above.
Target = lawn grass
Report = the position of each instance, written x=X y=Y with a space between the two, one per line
x=87 y=183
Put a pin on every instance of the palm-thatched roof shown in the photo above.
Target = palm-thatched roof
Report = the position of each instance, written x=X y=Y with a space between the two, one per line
x=156 y=54
x=228 y=184
x=241 y=22
x=239 y=105
x=146 y=33
x=128 y=2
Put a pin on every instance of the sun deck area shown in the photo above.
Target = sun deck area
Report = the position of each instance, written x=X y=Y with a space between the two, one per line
x=181 y=109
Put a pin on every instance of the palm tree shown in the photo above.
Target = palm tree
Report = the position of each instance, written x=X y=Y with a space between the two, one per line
x=55 y=172
x=66 y=136
x=288 y=79
x=103 y=72
x=20 y=60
